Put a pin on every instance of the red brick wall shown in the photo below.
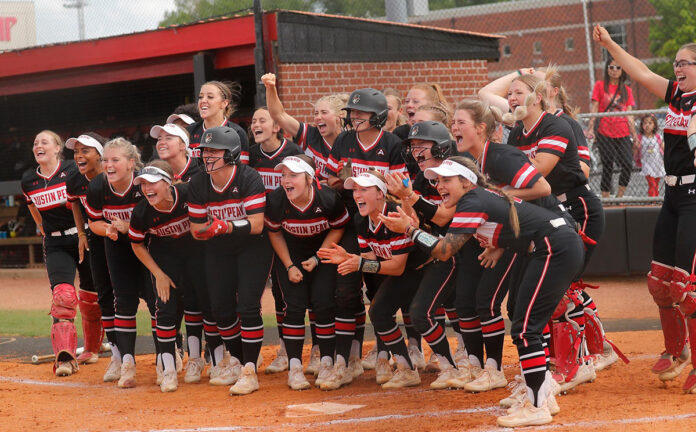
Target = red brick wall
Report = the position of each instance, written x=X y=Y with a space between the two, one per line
x=300 y=85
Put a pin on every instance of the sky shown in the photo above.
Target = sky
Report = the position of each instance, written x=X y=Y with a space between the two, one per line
x=55 y=23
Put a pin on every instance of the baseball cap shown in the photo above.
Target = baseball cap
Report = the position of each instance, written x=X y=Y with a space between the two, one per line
x=365 y=180
x=170 y=129
x=85 y=140
x=152 y=174
x=296 y=165
x=450 y=168
x=183 y=117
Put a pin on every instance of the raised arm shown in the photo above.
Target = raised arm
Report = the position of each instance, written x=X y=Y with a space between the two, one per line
x=495 y=92
x=287 y=122
x=638 y=71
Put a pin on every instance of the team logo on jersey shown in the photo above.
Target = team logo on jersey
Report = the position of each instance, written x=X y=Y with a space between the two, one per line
x=62 y=175
x=414 y=130
x=138 y=195
x=380 y=152
x=235 y=190
x=208 y=138
x=317 y=210
x=356 y=98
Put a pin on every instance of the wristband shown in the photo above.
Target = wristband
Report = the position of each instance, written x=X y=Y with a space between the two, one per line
x=425 y=241
x=290 y=266
x=82 y=234
x=426 y=208
x=519 y=72
x=692 y=142
x=369 y=266
x=316 y=259
x=241 y=228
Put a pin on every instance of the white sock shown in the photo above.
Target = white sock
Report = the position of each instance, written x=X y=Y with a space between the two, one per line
x=327 y=360
x=339 y=358
x=355 y=349
x=383 y=355
x=402 y=361
x=474 y=361
x=128 y=358
x=460 y=340
x=295 y=362
x=492 y=363
x=168 y=361
x=443 y=360
x=412 y=342
x=158 y=360
x=250 y=364
x=194 y=346
x=115 y=354
x=219 y=354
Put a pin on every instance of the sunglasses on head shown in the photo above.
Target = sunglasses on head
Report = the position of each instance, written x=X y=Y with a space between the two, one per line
x=614 y=67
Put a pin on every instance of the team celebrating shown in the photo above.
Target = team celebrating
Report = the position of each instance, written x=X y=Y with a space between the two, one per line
x=440 y=213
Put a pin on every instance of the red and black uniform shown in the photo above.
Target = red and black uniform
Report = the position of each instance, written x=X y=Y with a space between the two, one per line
x=196 y=132
x=76 y=188
x=388 y=293
x=555 y=259
x=304 y=230
x=129 y=277
x=167 y=235
x=384 y=155
x=315 y=146
x=674 y=241
x=193 y=166
x=265 y=163
x=578 y=134
x=60 y=243
x=236 y=268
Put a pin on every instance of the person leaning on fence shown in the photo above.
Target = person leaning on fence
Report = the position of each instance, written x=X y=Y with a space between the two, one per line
x=650 y=148
x=674 y=245
x=613 y=133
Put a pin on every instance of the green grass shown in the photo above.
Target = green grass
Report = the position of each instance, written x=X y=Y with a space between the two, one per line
x=37 y=323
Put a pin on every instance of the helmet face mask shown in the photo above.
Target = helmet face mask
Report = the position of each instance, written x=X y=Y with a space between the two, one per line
x=221 y=138
x=435 y=132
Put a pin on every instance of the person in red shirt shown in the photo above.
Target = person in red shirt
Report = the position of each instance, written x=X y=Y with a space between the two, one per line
x=614 y=133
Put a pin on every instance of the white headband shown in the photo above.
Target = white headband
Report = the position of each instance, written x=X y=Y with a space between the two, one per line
x=296 y=165
x=450 y=168
x=365 y=180
x=152 y=174
x=87 y=141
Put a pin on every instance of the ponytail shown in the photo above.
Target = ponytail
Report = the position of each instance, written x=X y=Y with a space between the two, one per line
x=129 y=150
x=553 y=78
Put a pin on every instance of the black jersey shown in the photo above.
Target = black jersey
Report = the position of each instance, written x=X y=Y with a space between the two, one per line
x=193 y=165
x=315 y=146
x=196 y=132
x=49 y=195
x=578 y=134
x=103 y=203
x=149 y=221
x=243 y=195
x=265 y=163
x=384 y=154
x=679 y=160
x=423 y=188
x=553 y=135
x=379 y=239
x=304 y=229
x=504 y=165
x=485 y=214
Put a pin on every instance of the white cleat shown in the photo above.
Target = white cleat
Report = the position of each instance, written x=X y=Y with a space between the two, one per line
x=127 y=379
x=169 y=381
x=339 y=377
x=113 y=371
x=355 y=367
x=194 y=368
x=417 y=358
x=383 y=371
x=489 y=379
x=225 y=373
x=314 y=361
x=447 y=373
x=370 y=360
x=403 y=377
x=325 y=369
x=247 y=383
x=296 y=378
x=279 y=364
x=526 y=414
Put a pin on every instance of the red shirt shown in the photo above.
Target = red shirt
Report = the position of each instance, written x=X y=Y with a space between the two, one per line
x=613 y=127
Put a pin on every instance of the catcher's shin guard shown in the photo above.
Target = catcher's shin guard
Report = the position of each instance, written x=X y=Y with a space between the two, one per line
x=681 y=290
x=63 y=332
x=595 y=336
x=91 y=324
x=671 y=318
x=567 y=340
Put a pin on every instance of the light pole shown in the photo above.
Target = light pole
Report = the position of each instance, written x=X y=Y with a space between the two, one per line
x=80 y=6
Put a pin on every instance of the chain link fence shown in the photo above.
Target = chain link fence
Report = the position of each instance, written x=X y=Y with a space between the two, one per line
x=537 y=33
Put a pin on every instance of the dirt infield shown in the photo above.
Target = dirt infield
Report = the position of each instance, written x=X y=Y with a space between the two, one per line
x=624 y=397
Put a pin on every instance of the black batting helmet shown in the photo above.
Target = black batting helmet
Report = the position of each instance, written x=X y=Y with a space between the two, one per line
x=223 y=138
x=435 y=132
x=369 y=100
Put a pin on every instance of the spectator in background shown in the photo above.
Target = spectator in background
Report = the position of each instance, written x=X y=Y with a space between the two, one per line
x=651 y=148
x=395 y=118
x=614 y=133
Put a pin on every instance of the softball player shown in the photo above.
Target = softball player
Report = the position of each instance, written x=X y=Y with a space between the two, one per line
x=386 y=263
x=355 y=151
x=226 y=208
x=111 y=198
x=418 y=95
x=45 y=192
x=674 y=242
x=301 y=218
x=216 y=103
x=97 y=308
x=504 y=222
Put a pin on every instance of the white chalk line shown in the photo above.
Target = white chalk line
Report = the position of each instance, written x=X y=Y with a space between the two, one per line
x=596 y=423
x=47 y=383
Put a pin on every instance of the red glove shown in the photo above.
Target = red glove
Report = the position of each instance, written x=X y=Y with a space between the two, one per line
x=216 y=227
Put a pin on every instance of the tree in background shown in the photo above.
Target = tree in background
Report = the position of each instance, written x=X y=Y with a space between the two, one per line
x=677 y=27
x=193 y=10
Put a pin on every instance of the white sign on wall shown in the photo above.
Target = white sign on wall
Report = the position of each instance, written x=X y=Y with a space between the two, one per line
x=17 y=25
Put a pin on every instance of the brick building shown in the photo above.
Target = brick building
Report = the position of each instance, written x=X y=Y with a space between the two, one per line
x=539 y=32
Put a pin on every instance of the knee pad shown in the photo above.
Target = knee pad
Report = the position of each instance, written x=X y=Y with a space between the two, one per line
x=680 y=289
x=64 y=305
x=659 y=280
x=571 y=299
